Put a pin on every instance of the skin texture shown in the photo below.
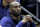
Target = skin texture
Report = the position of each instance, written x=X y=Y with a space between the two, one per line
x=27 y=18
x=16 y=10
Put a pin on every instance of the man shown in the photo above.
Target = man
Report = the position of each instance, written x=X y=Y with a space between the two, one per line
x=4 y=7
x=15 y=19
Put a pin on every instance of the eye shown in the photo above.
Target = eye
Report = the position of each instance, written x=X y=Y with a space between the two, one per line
x=15 y=7
x=19 y=6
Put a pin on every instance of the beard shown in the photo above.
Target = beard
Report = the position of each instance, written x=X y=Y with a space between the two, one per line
x=13 y=12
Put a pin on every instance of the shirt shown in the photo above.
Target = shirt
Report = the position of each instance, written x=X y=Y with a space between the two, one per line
x=8 y=22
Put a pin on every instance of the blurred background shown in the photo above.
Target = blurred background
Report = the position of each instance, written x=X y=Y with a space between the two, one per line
x=32 y=6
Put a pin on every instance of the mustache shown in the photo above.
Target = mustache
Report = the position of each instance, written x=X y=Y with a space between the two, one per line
x=15 y=13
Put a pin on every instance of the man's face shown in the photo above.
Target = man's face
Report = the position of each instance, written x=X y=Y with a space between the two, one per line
x=16 y=10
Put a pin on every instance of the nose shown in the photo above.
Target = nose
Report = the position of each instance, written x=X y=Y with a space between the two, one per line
x=18 y=8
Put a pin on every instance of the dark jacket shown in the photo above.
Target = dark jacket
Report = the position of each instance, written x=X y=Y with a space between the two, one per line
x=9 y=22
x=3 y=10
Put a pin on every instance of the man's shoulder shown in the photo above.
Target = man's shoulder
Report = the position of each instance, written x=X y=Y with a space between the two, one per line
x=6 y=20
x=6 y=17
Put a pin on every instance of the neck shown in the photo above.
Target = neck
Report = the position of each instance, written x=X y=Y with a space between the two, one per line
x=15 y=17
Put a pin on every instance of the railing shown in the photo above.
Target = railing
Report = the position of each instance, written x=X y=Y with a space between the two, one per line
x=30 y=14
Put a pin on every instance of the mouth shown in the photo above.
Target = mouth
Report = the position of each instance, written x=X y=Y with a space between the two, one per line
x=18 y=12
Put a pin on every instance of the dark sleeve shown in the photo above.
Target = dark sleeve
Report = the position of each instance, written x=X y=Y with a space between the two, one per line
x=6 y=22
x=28 y=24
x=33 y=24
x=20 y=24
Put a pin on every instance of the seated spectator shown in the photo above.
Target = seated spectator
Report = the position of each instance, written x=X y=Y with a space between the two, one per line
x=4 y=5
x=14 y=19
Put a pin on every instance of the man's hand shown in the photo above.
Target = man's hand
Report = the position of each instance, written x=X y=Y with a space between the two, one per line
x=31 y=20
x=26 y=18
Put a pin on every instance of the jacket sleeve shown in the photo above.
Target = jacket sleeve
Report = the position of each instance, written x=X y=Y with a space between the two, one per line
x=20 y=24
x=6 y=22
x=33 y=24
